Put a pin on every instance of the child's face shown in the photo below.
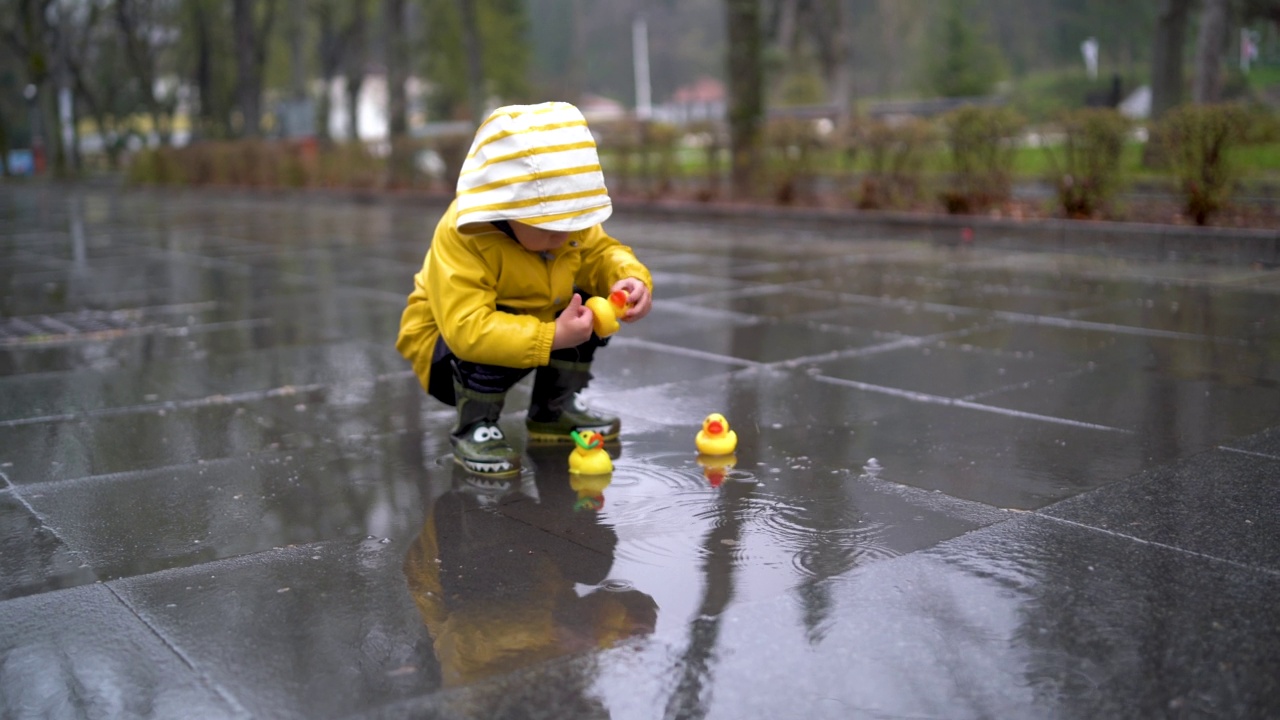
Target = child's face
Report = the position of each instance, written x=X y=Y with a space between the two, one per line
x=536 y=239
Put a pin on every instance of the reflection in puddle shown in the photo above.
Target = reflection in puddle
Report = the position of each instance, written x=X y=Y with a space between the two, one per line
x=497 y=573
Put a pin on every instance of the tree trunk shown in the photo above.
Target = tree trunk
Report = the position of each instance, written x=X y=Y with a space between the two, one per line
x=397 y=63
x=355 y=81
x=63 y=36
x=4 y=144
x=251 y=57
x=400 y=161
x=1210 y=47
x=51 y=124
x=746 y=91
x=31 y=43
x=835 y=56
x=134 y=32
x=353 y=58
x=577 y=74
x=330 y=52
x=1166 y=55
x=475 y=69
x=204 y=72
x=297 y=57
x=785 y=28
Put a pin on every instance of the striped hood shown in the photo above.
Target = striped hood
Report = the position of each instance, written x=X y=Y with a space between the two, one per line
x=536 y=164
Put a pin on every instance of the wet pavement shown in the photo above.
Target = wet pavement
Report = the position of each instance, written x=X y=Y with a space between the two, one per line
x=973 y=480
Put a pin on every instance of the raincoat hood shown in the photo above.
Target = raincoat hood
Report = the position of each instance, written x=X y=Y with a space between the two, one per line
x=536 y=164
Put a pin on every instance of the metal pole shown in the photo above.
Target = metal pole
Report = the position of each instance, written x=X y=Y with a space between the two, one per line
x=640 y=50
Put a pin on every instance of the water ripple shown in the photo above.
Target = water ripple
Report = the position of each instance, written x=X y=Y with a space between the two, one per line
x=671 y=510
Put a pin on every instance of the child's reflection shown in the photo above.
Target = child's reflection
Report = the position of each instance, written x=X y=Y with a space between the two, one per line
x=509 y=574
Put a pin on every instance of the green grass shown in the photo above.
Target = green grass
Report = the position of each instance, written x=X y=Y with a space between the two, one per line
x=1261 y=77
x=1257 y=162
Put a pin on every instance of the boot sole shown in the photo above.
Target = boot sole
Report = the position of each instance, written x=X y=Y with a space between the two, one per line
x=565 y=438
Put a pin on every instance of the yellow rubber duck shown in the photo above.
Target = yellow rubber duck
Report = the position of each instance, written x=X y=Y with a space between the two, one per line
x=715 y=437
x=606 y=313
x=589 y=458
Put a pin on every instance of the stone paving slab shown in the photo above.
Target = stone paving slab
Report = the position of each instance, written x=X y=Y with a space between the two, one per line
x=974 y=451
x=970 y=482
x=87 y=640
x=188 y=515
x=1222 y=504
x=1028 y=618
x=51 y=450
x=33 y=559
x=1266 y=443
x=320 y=631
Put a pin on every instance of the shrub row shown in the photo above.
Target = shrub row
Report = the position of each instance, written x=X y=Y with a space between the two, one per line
x=963 y=162
x=253 y=163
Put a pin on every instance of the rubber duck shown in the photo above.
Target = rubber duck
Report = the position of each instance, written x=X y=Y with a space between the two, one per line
x=606 y=313
x=715 y=437
x=715 y=468
x=590 y=489
x=589 y=458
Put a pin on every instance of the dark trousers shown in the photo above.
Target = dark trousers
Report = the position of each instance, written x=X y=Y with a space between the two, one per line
x=493 y=378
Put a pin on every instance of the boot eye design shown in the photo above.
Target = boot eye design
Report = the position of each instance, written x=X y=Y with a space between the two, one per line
x=485 y=434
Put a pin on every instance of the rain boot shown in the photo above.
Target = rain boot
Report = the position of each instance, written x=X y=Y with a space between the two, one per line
x=478 y=442
x=554 y=409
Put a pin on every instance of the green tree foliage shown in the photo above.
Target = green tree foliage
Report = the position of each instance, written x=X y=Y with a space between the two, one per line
x=504 y=54
x=963 y=63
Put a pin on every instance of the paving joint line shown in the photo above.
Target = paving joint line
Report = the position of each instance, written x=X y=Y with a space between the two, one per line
x=1166 y=546
x=1250 y=453
x=937 y=500
x=176 y=650
x=905 y=341
x=929 y=399
x=206 y=401
x=1027 y=384
x=1075 y=324
x=689 y=352
x=44 y=523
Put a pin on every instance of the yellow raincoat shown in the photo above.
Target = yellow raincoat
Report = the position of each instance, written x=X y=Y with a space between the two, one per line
x=470 y=273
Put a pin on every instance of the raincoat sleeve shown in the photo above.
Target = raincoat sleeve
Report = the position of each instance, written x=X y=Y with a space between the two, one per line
x=462 y=289
x=605 y=261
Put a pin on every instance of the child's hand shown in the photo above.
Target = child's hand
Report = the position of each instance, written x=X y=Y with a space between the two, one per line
x=573 y=327
x=639 y=300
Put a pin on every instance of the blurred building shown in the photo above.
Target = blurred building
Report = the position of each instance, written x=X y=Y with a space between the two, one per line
x=704 y=100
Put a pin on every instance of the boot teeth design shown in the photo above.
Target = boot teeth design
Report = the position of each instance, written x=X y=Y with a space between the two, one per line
x=488 y=467
x=488 y=484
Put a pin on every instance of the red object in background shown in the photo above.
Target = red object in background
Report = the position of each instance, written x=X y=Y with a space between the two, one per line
x=966 y=235
x=308 y=148
x=37 y=155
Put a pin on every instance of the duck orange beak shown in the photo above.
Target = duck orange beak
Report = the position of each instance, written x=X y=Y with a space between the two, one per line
x=715 y=428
